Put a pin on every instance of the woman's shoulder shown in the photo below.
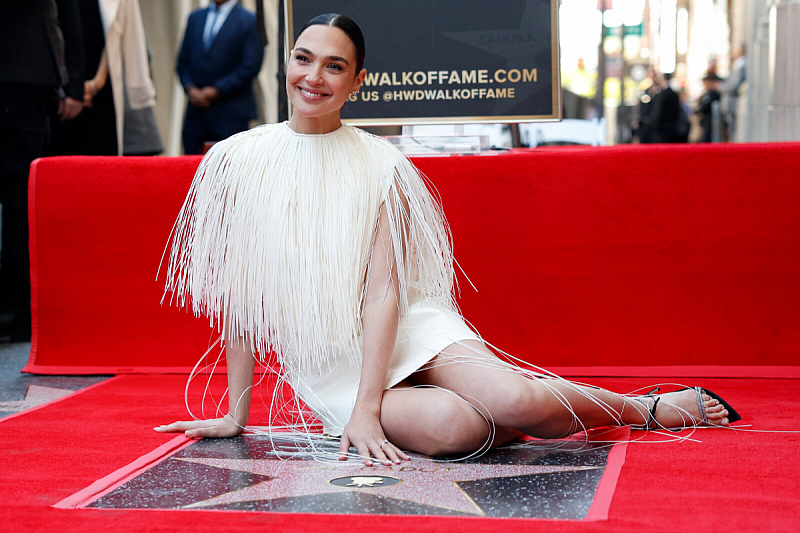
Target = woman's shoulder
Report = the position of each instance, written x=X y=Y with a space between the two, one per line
x=259 y=137
x=383 y=159
x=263 y=130
x=377 y=144
x=367 y=137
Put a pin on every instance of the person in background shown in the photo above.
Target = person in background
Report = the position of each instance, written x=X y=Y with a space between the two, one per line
x=685 y=124
x=220 y=57
x=730 y=91
x=707 y=107
x=119 y=116
x=42 y=76
x=667 y=120
x=644 y=126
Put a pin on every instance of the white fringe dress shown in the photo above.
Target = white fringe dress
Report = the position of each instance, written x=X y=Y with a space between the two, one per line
x=274 y=244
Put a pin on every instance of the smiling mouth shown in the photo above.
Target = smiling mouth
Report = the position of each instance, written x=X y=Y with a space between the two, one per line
x=311 y=94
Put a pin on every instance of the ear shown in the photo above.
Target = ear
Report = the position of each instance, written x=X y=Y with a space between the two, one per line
x=359 y=79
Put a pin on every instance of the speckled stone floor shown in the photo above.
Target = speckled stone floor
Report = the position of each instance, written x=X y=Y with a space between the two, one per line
x=20 y=391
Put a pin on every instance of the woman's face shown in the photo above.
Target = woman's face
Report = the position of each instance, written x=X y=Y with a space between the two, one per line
x=320 y=76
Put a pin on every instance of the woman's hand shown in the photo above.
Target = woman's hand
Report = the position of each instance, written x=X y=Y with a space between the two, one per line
x=214 y=428
x=364 y=431
x=89 y=92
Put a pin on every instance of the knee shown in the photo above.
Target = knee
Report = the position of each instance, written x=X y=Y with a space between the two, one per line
x=521 y=403
x=455 y=427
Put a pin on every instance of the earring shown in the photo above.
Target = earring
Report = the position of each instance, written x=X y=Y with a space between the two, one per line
x=354 y=92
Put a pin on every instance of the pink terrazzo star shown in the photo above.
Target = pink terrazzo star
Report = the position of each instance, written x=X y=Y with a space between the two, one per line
x=421 y=480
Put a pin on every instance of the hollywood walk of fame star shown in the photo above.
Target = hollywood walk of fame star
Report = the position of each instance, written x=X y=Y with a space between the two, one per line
x=421 y=480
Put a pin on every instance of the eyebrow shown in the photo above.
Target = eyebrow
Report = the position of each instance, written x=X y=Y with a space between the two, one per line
x=331 y=58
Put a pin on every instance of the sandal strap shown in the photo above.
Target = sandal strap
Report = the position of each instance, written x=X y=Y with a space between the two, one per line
x=701 y=406
x=651 y=423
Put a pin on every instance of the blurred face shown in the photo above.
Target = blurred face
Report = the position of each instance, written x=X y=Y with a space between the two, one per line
x=320 y=76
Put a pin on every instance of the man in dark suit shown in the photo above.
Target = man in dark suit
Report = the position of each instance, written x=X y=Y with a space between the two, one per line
x=220 y=56
x=707 y=109
x=41 y=73
x=670 y=123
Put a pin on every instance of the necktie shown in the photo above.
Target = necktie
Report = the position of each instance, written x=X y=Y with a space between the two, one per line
x=211 y=20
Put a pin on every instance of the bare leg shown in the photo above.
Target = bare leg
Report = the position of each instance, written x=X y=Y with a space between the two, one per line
x=551 y=408
x=437 y=422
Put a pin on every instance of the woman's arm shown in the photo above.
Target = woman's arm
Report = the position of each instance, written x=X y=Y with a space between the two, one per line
x=380 y=317
x=95 y=85
x=241 y=365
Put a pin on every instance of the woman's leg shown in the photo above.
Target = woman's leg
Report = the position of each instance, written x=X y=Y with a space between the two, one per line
x=550 y=408
x=434 y=421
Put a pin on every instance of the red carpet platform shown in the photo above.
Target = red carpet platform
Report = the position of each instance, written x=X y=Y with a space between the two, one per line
x=658 y=260
x=732 y=481
x=655 y=261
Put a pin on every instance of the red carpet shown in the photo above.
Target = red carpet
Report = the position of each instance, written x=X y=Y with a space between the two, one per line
x=586 y=260
x=648 y=261
x=731 y=481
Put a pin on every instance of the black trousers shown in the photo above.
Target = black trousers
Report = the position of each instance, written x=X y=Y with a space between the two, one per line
x=199 y=128
x=25 y=115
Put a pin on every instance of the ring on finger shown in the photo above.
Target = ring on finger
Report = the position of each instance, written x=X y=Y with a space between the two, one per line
x=384 y=443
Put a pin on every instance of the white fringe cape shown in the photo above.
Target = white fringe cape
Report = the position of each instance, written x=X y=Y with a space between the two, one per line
x=274 y=238
x=274 y=241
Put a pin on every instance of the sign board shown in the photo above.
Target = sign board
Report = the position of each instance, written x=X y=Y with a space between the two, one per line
x=449 y=61
x=613 y=31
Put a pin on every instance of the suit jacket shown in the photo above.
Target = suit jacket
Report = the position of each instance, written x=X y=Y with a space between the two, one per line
x=667 y=113
x=230 y=64
x=41 y=43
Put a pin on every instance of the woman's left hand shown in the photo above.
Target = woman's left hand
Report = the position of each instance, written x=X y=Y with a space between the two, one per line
x=364 y=431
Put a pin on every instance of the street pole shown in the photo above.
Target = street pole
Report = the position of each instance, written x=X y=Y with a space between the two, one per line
x=601 y=65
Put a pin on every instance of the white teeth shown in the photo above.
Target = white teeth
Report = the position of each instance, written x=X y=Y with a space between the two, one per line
x=309 y=93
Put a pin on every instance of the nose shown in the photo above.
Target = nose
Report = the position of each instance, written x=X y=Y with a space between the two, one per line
x=314 y=75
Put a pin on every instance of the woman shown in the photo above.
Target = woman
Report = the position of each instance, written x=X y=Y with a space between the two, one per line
x=321 y=243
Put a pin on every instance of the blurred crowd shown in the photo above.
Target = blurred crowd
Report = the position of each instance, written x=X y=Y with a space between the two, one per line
x=665 y=116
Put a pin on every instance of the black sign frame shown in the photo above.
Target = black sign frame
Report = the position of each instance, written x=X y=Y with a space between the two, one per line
x=447 y=61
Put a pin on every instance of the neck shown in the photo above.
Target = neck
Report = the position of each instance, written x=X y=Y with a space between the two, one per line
x=314 y=125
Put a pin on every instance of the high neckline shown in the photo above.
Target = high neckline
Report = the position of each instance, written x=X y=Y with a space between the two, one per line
x=316 y=135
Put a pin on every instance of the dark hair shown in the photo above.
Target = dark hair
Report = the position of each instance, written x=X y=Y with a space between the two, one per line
x=345 y=24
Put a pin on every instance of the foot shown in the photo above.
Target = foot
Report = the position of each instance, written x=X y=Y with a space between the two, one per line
x=679 y=409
